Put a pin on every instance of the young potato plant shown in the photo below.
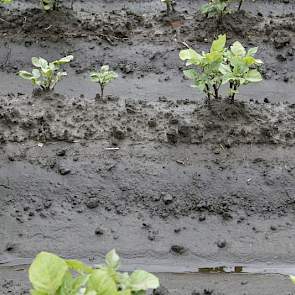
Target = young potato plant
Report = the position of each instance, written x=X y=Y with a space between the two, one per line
x=51 y=275
x=234 y=66
x=169 y=5
x=103 y=77
x=240 y=68
x=46 y=75
x=206 y=74
x=216 y=8
x=219 y=7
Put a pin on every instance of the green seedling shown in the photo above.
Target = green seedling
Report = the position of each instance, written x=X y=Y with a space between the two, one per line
x=219 y=8
x=49 y=4
x=216 y=8
x=103 y=77
x=51 y=275
x=46 y=75
x=169 y=5
x=240 y=68
x=205 y=72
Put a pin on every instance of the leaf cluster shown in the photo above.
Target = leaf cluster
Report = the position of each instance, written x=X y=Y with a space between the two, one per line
x=52 y=275
x=220 y=66
x=46 y=75
x=219 y=7
x=103 y=77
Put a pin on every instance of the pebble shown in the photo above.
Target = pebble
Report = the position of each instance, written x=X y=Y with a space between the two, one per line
x=221 y=243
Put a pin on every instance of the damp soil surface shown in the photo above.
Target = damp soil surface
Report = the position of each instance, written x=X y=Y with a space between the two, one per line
x=201 y=194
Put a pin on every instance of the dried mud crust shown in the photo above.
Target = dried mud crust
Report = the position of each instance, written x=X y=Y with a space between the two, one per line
x=121 y=25
x=53 y=117
x=274 y=35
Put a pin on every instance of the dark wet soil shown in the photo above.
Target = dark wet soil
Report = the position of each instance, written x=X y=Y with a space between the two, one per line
x=172 y=183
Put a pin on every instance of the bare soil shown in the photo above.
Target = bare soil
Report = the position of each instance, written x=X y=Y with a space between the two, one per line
x=174 y=184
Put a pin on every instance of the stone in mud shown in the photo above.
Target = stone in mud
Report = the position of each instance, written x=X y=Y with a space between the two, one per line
x=178 y=250
x=10 y=247
x=152 y=123
x=281 y=40
x=118 y=133
x=161 y=291
x=184 y=130
x=202 y=218
x=99 y=231
x=61 y=153
x=167 y=198
x=221 y=244
x=172 y=136
x=92 y=203
x=64 y=170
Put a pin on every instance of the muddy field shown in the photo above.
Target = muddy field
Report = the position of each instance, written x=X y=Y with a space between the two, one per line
x=204 y=197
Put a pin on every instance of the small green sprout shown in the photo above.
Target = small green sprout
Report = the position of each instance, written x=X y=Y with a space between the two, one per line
x=46 y=75
x=219 y=8
x=103 y=77
x=240 y=68
x=49 y=4
x=169 y=5
x=216 y=8
x=206 y=74
x=49 y=274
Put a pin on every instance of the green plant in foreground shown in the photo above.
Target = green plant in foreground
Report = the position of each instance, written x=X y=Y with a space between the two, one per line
x=240 y=68
x=52 y=275
x=220 y=66
x=103 y=77
x=46 y=75
x=169 y=5
x=207 y=77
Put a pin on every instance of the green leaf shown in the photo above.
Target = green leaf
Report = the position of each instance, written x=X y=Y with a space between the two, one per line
x=252 y=51
x=190 y=54
x=238 y=49
x=142 y=280
x=253 y=76
x=25 y=75
x=104 y=68
x=78 y=266
x=113 y=259
x=64 y=60
x=190 y=74
x=101 y=282
x=224 y=69
x=47 y=272
x=292 y=279
x=219 y=44
x=36 y=62
x=42 y=62
x=36 y=73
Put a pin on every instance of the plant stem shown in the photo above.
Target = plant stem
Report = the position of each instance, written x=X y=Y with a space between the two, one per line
x=216 y=89
x=168 y=8
x=101 y=91
x=240 y=5
x=208 y=93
